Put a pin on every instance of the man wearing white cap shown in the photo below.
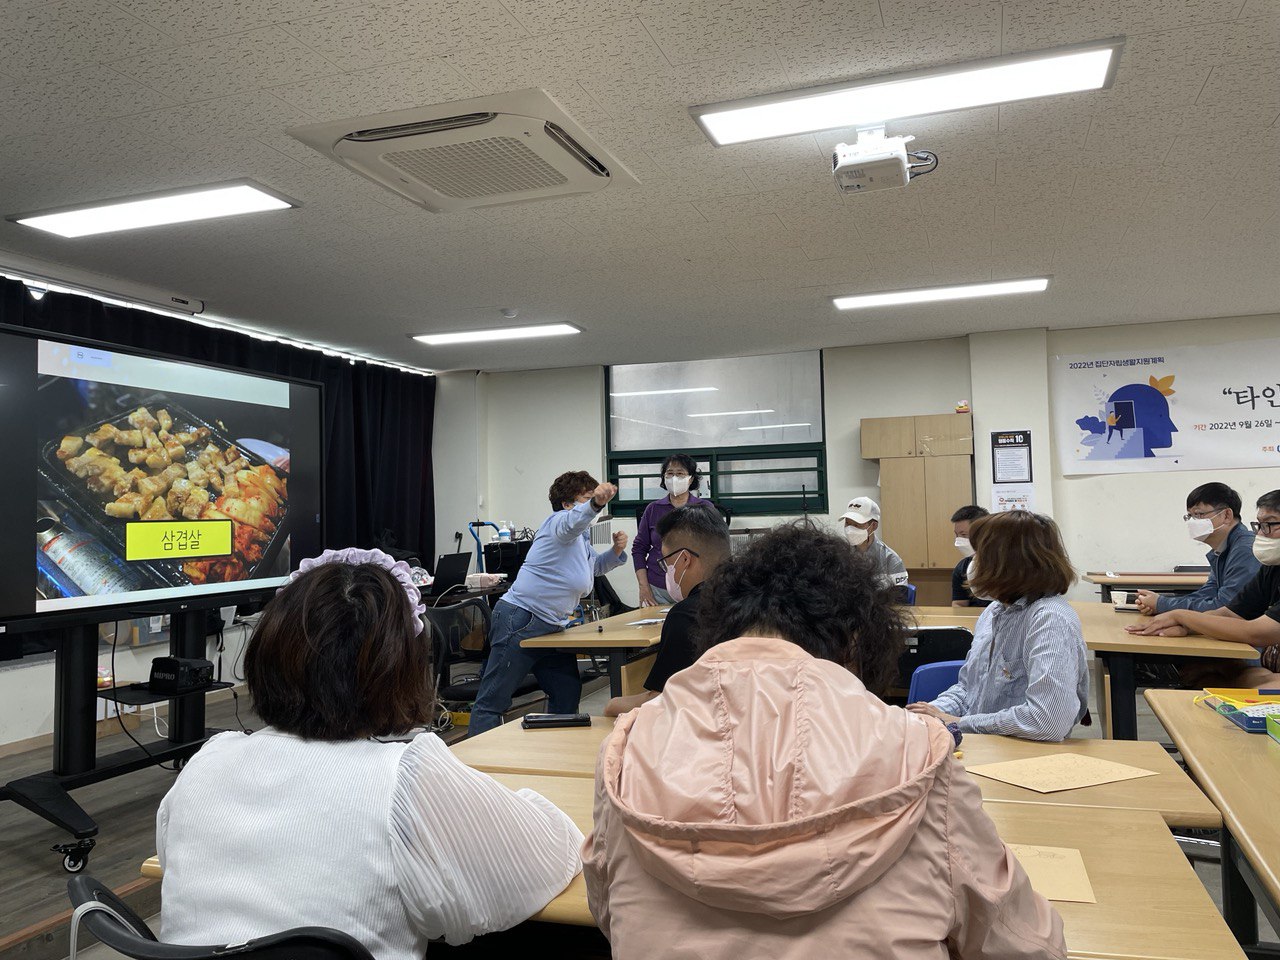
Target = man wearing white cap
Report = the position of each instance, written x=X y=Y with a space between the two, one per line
x=861 y=520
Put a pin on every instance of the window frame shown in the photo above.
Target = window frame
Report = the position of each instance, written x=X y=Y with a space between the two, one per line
x=774 y=503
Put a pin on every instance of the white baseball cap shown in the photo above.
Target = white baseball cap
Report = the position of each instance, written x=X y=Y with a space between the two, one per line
x=862 y=510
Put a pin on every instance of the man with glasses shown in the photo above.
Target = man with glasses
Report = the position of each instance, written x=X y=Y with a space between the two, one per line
x=1253 y=617
x=695 y=541
x=1213 y=518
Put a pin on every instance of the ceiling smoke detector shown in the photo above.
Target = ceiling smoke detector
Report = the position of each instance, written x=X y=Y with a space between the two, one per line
x=484 y=152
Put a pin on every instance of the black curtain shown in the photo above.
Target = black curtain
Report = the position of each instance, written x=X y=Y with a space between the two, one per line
x=377 y=421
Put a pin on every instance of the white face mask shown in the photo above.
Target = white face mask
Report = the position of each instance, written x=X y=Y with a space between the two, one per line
x=678 y=486
x=1267 y=550
x=1200 y=528
x=856 y=535
x=963 y=545
x=973 y=565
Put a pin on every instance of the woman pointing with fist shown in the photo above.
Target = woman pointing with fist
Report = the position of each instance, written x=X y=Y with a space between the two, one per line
x=559 y=571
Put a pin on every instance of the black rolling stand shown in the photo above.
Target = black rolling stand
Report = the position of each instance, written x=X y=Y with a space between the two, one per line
x=75 y=760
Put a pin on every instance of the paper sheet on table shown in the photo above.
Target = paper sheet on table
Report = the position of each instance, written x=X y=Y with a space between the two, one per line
x=1061 y=771
x=645 y=623
x=1056 y=873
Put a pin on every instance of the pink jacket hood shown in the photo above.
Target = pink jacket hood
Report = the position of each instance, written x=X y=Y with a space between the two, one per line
x=782 y=811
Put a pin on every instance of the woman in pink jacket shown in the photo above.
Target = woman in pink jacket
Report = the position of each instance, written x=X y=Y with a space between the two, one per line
x=768 y=805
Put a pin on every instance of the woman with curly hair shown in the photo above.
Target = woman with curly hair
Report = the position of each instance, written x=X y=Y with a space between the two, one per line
x=768 y=804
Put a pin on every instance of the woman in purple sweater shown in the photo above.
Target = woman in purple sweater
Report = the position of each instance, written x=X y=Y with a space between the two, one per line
x=679 y=477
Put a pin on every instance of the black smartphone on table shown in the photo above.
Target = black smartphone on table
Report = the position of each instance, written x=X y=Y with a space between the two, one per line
x=547 y=721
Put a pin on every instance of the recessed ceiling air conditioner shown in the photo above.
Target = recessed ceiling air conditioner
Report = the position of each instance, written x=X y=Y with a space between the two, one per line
x=483 y=152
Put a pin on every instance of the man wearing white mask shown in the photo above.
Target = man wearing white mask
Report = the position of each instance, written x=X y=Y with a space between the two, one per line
x=1253 y=617
x=1213 y=518
x=960 y=520
x=696 y=541
x=861 y=520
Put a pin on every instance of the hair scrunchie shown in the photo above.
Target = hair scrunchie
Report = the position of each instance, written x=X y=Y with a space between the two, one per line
x=354 y=555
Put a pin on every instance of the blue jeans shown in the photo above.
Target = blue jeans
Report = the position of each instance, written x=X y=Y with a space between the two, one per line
x=555 y=670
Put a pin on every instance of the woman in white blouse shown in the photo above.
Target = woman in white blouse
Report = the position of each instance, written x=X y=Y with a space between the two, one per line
x=314 y=821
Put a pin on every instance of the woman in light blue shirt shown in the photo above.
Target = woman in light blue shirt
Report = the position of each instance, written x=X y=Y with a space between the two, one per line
x=558 y=572
x=1027 y=672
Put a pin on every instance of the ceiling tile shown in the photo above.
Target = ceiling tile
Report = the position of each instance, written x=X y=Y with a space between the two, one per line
x=227 y=65
x=401 y=86
x=81 y=96
x=189 y=20
x=65 y=35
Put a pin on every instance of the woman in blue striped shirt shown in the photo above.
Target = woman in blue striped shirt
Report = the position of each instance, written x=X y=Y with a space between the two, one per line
x=1027 y=672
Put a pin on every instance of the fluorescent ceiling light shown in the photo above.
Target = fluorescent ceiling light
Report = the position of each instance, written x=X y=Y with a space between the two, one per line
x=731 y=413
x=659 y=393
x=498 y=333
x=1046 y=73
x=964 y=291
x=776 y=426
x=201 y=203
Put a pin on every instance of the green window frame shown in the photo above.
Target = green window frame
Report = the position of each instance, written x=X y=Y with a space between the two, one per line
x=719 y=466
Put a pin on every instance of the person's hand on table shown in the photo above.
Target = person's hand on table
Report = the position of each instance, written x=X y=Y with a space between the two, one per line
x=1161 y=625
x=603 y=494
x=929 y=710
x=620 y=542
x=647 y=599
x=1147 y=603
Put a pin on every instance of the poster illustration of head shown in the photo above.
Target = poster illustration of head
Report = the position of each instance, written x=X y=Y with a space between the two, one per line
x=1185 y=408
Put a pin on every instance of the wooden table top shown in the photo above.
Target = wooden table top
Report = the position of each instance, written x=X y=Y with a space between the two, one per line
x=560 y=751
x=1170 y=793
x=1150 y=902
x=615 y=631
x=1159 y=579
x=1239 y=771
x=1103 y=628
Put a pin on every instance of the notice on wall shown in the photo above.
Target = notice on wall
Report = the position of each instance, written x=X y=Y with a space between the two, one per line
x=1181 y=408
x=1013 y=496
x=1011 y=456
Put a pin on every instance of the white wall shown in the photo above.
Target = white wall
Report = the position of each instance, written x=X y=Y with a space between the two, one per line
x=458 y=457
x=1134 y=521
x=26 y=689
x=1010 y=372
x=883 y=380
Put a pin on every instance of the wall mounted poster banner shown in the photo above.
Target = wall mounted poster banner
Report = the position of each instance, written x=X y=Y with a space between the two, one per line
x=1183 y=408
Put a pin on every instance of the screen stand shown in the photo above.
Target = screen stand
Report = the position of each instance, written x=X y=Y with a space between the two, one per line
x=75 y=736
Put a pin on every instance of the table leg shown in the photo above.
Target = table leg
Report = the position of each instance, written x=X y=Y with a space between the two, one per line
x=1124 y=695
x=617 y=660
x=1106 y=592
x=1238 y=906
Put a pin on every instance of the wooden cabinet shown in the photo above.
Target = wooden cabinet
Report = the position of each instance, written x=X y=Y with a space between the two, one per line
x=926 y=474
x=948 y=486
x=944 y=435
x=903 y=496
x=938 y=435
x=888 y=437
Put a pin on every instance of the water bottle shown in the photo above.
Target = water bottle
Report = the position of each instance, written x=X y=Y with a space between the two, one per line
x=504 y=533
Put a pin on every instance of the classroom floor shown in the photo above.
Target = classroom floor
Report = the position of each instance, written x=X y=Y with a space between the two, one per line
x=34 y=884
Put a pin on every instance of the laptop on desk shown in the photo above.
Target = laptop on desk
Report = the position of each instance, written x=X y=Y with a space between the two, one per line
x=451 y=572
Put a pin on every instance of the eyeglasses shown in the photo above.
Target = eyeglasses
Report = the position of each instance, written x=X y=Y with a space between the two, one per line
x=669 y=475
x=662 y=563
x=1202 y=516
x=1265 y=527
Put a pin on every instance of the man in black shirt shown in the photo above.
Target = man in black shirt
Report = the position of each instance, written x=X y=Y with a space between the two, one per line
x=960 y=520
x=1253 y=617
x=694 y=542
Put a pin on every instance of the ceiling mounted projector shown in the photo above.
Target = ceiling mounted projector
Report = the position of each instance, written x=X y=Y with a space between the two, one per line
x=877 y=162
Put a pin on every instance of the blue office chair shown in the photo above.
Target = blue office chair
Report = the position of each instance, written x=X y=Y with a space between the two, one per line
x=907 y=594
x=930 y=679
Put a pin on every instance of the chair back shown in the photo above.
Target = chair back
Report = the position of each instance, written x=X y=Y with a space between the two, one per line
x=931 y=645
x=120 y=928
x=459 y=634
x=907 y=594
x=931 y=679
